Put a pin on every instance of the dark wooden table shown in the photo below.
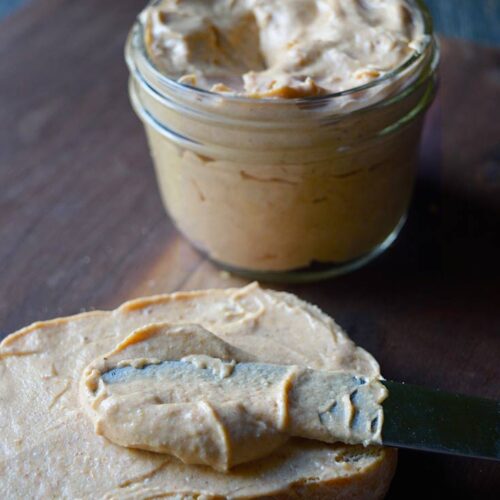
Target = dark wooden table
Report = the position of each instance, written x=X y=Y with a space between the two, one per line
x=82 y=226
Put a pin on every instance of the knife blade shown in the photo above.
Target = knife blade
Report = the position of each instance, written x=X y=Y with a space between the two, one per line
x=437 y=421
x=414 y=417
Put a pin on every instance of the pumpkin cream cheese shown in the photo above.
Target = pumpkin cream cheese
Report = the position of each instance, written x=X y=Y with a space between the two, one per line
x=280 y=48
x=205 y=402
x=256 y=177
x=239 y=393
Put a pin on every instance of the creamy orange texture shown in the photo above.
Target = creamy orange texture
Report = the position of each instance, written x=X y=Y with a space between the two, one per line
x=280 y=48
x=181 y=390
x=276 y=185
x=49 y=448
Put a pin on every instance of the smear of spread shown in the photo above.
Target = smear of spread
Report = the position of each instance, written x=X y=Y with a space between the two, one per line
x=183 y=391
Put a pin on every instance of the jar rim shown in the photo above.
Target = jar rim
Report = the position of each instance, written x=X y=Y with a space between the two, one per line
x=417 y=56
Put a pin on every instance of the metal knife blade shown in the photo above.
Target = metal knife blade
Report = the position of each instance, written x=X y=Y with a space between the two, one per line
x=432 y=420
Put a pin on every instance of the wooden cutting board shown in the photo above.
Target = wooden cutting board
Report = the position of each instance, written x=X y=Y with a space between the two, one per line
x=82 y=225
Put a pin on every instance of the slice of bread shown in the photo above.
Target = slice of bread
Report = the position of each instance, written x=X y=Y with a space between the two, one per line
x=49 y=448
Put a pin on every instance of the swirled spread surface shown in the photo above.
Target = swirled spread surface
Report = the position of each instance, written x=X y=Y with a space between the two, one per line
x=281 y=48
x=49 y=447
x=179 y=389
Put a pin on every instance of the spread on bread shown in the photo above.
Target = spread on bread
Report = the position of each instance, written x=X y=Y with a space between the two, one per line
x=269 y=345
x=179 y=389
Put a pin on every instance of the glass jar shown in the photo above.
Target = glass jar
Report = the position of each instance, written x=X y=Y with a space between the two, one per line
x=286 y=189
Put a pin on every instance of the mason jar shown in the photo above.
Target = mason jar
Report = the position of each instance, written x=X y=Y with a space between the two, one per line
x=286 y=189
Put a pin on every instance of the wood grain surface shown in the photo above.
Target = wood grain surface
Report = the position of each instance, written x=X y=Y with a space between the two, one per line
x=82 y=225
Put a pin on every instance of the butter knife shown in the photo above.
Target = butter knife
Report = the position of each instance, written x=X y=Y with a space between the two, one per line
x=436 y=421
